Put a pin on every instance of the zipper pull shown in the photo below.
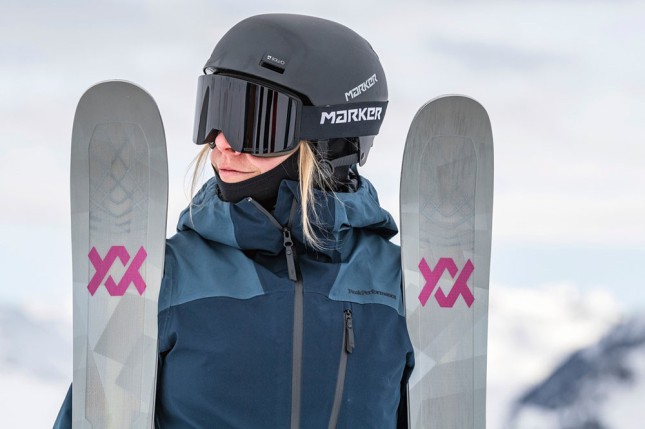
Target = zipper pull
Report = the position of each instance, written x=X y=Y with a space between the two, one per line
x=349 y=332
x=291 y=261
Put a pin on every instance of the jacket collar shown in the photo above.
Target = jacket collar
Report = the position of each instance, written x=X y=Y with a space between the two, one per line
x=245 y=225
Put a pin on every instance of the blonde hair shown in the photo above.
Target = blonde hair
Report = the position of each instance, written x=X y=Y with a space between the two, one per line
x=310 y=174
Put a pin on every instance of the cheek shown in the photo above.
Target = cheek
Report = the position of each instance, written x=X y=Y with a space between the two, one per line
x=214 y=154
x=266 y=164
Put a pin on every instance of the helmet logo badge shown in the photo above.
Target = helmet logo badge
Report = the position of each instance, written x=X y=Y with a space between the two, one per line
x=274 y=63
x=363 y=87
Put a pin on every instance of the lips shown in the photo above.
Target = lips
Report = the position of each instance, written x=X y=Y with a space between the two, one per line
x=231 y=170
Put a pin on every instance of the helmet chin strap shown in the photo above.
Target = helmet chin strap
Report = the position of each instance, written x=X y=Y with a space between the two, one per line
x=337 y=157
x=331 y=165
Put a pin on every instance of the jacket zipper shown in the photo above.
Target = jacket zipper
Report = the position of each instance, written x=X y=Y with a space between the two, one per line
x=298 y=310
x=346 y=349
x=298 y=321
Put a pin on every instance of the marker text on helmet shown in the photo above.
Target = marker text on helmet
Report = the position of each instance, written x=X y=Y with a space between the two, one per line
x=355 y=92
x=351 y=115
x=341 y=120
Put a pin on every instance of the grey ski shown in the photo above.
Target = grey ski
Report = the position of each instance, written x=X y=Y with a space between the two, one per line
x=119 y=198
x=446 y=220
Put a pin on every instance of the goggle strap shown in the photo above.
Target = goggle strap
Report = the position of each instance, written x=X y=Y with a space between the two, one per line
x=341 y=120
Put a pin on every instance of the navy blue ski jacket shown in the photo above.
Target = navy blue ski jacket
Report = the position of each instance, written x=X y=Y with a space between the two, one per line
x=257 y=330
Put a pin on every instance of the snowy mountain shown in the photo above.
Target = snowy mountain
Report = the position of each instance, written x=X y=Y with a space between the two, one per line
x=598 y=387
x=532 y=330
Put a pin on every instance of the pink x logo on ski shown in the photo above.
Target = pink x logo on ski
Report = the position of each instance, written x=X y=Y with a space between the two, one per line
x=459 y=288
x=103 y=266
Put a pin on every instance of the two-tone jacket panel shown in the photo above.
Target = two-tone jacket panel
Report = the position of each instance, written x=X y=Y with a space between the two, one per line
x=258 y=330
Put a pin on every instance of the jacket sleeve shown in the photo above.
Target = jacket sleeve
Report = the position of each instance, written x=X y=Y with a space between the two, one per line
x=64 y=419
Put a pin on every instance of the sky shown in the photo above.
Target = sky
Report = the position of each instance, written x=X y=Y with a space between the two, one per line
x=561 y=80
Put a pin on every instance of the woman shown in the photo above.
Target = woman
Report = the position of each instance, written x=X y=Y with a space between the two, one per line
x=281 y=302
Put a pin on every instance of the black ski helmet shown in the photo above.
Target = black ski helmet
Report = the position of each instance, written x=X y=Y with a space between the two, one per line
x=290 y=77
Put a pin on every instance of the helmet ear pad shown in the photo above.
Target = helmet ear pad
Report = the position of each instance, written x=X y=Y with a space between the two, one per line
x=337 y=159
x=364 y=145
x=336 y=148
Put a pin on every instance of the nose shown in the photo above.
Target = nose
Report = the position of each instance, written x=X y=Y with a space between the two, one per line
x=223 y=145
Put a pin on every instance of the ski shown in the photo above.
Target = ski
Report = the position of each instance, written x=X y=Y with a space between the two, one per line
x=446 y=220
x=119 y=198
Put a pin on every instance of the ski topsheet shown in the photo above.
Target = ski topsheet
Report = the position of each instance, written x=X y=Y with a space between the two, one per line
x=119 y=194
x=446 y=219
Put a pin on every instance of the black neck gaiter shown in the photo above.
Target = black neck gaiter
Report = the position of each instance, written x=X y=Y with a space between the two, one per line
x=262 y=188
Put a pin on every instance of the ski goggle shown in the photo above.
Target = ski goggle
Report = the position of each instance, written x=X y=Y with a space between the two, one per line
x=254 y=118
x=266 y=121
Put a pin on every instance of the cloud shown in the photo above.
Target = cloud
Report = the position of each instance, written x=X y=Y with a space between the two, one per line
x=492 y=57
